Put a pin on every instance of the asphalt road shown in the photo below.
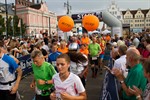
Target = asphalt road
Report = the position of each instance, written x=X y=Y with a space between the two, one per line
x=93 y=87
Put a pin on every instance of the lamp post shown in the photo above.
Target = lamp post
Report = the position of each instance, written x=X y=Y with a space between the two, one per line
x=68 y=7
x=6 y=18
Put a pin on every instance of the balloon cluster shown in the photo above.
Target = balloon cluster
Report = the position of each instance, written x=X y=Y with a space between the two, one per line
x=89 y=22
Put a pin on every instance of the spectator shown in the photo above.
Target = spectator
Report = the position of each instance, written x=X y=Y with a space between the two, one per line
x=136 y=91
x=135 y=76
x=120 y=63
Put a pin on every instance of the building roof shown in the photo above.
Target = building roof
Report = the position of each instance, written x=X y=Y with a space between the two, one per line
x=9 y=8
x=144 y=11
x=36 y=6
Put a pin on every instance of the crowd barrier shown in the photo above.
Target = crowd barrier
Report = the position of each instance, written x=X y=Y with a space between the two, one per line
x=109 y=89
x=25 y=64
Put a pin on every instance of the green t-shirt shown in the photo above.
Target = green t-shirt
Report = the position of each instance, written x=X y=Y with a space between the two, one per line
x=94 y=49
x=44 y=72
x=135 y=77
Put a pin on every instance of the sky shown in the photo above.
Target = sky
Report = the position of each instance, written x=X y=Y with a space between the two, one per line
x=85 y=6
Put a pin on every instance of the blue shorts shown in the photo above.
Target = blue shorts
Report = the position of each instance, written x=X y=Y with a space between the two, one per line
x=101 y=56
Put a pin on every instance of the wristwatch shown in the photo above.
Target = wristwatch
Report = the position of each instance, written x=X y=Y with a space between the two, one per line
x=46 y=82
x=121 y=82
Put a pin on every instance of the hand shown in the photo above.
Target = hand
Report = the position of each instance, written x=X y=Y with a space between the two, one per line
x=32 y=85
x=53 y=96
x=41 y=82
x=97 y=55
x=81 y=75
x=65 y=96
x=14 y=89
x=118 y=74
x=135 y=91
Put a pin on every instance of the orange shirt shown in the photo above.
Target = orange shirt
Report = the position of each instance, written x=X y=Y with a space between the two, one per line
x=65 y=50
x=84 y=51
x=85 y=40
x=108 y=38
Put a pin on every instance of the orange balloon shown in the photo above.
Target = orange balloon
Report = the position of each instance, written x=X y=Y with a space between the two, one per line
x=90 y=22
x=65 y=23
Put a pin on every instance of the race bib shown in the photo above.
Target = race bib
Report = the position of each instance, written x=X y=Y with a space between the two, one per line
x=94 y=58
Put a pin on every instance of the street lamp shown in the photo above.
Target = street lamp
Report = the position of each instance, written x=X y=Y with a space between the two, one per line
x=6 y=18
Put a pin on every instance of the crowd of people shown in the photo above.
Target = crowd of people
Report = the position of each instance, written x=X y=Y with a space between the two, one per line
x=60 y=67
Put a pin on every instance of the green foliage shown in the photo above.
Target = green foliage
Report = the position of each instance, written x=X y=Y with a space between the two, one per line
x=2 y=25
x=13 y=28
x=15 y=25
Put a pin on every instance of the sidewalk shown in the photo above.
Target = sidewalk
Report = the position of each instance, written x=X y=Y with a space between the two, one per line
x=93 y=87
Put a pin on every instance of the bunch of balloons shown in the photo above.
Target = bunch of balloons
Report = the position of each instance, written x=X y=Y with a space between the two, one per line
x=89 y=22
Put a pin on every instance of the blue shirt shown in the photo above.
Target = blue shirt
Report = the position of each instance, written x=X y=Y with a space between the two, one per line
x=52 y=57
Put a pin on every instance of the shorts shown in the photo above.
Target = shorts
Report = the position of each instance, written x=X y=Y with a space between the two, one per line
x=5 y=95
x=101 y=56
x=94 y=61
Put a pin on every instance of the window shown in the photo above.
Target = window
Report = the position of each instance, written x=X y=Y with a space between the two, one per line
x=119 y=17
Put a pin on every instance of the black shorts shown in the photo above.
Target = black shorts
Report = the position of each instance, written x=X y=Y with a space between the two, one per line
x=94 y=61
x=39 y=97
x=5 y=95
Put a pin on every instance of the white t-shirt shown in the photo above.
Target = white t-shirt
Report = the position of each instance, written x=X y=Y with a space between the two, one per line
x=45 y=47
x=136 y=42
x=120 y=63
x=72 y=85
x=77 y=68
x=73 y=46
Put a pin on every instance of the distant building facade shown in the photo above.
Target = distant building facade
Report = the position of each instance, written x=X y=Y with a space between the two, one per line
x=114 y=10
x=10 y=10
x=36 y=16
x=138 y=19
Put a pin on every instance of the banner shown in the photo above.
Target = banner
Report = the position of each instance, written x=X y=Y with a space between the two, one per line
x=109 y=89
x=25 y=64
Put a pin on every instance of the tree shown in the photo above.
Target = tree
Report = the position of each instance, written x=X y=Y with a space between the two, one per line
x=23 y=27
x=2 y=25
x=17 y=28
x=15 y=23
x=10 y=30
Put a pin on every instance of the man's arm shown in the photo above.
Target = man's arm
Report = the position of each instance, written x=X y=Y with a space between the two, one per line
x=19 y=75
x=121 y=78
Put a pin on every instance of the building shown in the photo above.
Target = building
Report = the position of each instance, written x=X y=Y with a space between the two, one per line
x=114 y=10
x=36 y=16
x=139 y=20
x=10 y=10
x=6 y=13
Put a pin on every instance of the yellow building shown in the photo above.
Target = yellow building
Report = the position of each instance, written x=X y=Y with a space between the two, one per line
x=138 y=19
